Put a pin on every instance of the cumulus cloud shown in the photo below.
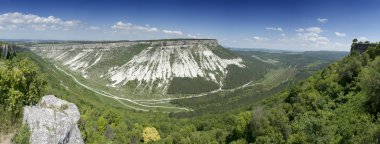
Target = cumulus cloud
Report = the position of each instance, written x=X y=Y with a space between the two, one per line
x=312 y=36
x=131 y=27
x=322 y=20
x=314 y=29
x=340 y=34
x=172 y=32
x=274 y=28
x=10 y=21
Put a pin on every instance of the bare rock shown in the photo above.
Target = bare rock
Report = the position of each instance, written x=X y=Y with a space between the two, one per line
x=53 y=121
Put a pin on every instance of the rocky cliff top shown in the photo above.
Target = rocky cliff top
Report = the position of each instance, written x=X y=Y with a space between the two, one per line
x=170 y=42
x=53 y=121
x=361 y=47
x=113 y=44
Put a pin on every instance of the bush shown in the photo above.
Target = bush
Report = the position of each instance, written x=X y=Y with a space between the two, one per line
x=150 y=134
x=22 y=136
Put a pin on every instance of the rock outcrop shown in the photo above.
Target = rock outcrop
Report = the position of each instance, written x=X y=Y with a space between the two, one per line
x=361 y=47
x=6 y=51
x=53 y=121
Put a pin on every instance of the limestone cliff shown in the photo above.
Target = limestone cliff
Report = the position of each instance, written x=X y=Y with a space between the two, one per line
x=143 y=65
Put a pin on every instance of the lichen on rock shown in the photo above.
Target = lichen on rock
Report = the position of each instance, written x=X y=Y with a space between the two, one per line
x=53 y=121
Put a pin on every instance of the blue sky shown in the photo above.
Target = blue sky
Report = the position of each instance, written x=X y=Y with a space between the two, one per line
x=275 y=24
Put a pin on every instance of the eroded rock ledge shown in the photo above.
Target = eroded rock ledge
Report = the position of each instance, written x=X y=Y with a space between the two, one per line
x=53 y=121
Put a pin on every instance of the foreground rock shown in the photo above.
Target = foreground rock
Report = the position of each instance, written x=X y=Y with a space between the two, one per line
x=53 y=121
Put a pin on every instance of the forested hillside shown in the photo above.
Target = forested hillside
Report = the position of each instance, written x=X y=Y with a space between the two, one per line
x=339 y=104
x=320 y=109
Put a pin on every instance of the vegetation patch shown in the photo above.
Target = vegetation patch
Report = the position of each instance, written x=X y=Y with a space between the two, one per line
x=223 y=52
x=22 y=136
x=188 y=85
x=238 y=76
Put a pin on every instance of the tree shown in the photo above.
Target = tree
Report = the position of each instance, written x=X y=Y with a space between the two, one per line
x=15 y=103
x=373 y=51
x=150 y=134
x=101 y=124
x=242 y=123
x=136 y=134
x=354 y=40
x=370 y=84
x=20 y=84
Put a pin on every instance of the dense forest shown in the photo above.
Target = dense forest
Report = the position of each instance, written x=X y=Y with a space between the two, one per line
x=338 y=104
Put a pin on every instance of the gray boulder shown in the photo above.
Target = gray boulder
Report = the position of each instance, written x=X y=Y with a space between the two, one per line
x=53 y=121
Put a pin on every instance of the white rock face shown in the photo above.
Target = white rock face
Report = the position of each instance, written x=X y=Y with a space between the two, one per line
x=53 y=121
x=165 y=62
x=153 y=68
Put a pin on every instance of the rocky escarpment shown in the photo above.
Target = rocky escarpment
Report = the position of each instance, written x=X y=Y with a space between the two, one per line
x=6 y=50
x=149 y=65
x=361 y=47
x=53 y=121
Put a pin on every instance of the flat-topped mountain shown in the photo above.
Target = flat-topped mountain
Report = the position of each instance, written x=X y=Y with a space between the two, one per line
x=163 y=66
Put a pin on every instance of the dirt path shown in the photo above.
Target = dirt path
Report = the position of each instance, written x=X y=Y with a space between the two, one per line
x=7 y=138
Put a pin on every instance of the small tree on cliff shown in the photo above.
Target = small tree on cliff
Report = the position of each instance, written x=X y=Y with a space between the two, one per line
x=354 y=40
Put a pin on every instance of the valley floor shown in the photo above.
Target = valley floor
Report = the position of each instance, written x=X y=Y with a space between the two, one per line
x=154 y=104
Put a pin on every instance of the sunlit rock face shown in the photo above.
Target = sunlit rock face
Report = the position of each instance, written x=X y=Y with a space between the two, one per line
x=153 y=67
x=53 y=121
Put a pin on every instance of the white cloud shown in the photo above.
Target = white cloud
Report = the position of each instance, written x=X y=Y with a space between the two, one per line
x=131 y=27
x=300 y=30
x=257 y=38
x=322 y=20
x=363 y=38
x=172 y=32
x=340 y=34
x=312 y=36
x=274 y=28
x=314 y=29
x=93 y=28
x=10 y=21
x=39 y=27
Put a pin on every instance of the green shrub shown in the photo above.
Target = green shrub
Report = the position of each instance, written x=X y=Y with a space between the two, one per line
x=22 y=136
